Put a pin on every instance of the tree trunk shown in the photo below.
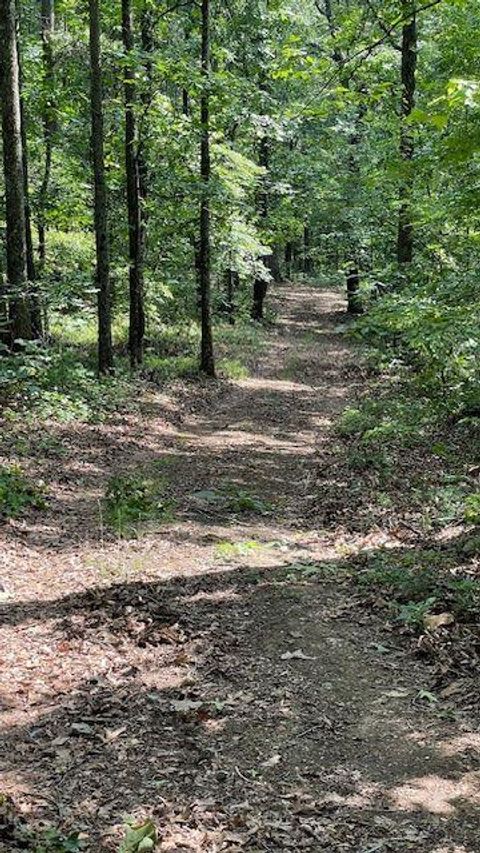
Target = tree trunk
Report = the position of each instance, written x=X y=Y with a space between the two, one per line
x=35 y=305
x=135 y=231
x=47 y=29
x=408 y=76
x=105 y=352
x=288 y=259
x=231 y=285
x=20 y=326
x=207 y=362
x=260 y=285
x=148 y=46
x=354 y=303
x=353 y=274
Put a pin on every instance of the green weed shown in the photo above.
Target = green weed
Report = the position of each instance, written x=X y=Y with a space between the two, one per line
x=472 y=508
x=163 y=369
x=233 y=368
x=417 y=583
x=133 y=500
x=17 y=493
x=233 y=550
x=308 y=571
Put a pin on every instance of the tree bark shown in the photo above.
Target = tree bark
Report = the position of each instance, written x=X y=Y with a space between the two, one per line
x=135 y=231
x=260 y=285
x=354 y=302
x=35 y=305
x=408 y=78
x=20 y=326
x=47 y=16
x=105 y=351
x=207 y=361
x=354 y=305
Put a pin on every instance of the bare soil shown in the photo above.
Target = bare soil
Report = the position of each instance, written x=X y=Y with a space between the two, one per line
x=194 y=674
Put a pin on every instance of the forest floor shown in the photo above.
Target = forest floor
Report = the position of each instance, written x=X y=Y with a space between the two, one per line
x=212 y=673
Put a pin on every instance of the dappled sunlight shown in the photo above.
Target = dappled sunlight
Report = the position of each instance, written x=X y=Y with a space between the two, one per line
x=437 y=795
x=469 y=741
x=212 y=672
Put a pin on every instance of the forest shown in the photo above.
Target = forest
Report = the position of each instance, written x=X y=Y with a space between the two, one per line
x=239 y=426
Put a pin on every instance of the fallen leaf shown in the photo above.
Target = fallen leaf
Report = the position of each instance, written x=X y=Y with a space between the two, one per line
x=296 y=655
x=272 y=762
x=113 y=734
x=436 y=620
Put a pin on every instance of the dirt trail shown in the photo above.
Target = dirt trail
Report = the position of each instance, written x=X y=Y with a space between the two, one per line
x=196 y=674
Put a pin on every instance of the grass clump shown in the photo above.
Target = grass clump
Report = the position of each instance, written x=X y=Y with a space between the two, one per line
x=132 y=500
x=18 y=493
x=159 y=368
x=233 y=368
x=233 y=550
x=472 y=509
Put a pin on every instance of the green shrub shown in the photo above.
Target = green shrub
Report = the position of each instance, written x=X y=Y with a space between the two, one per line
x=17 y=493
x=54 y=384
x=162 y=368
x=472 y=508
x=132 y=500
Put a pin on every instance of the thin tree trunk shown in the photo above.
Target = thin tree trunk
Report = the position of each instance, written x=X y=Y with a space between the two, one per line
x=105 y=351
x=231 y=285
x=135 y=232
x=35 y=306
x=288 y=259
x=260 y=285
x=354 y=302
x=408 y=76
x=207 y=362
x=47 y=29
x=148 y=47
x=20 y=326
x=353 y=273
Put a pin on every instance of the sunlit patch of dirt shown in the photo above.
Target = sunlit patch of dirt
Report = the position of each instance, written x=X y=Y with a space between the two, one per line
x=461 y=743
x=437 y=795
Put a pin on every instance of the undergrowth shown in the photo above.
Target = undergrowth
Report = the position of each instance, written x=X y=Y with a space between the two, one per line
x=132 y=500
x=59 y=381
x=18 y=492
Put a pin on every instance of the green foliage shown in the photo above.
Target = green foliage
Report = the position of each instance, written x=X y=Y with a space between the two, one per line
x=233 y=550
x=53 y=841
x=17 y=834
x=56 y=384
x=413 y=614
x=18 y=493
x=139 y=838
x=162 y=369
x=417 y=583
x=430 y=332
x=472 y=509
x=132 y=500
x=232 y=368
